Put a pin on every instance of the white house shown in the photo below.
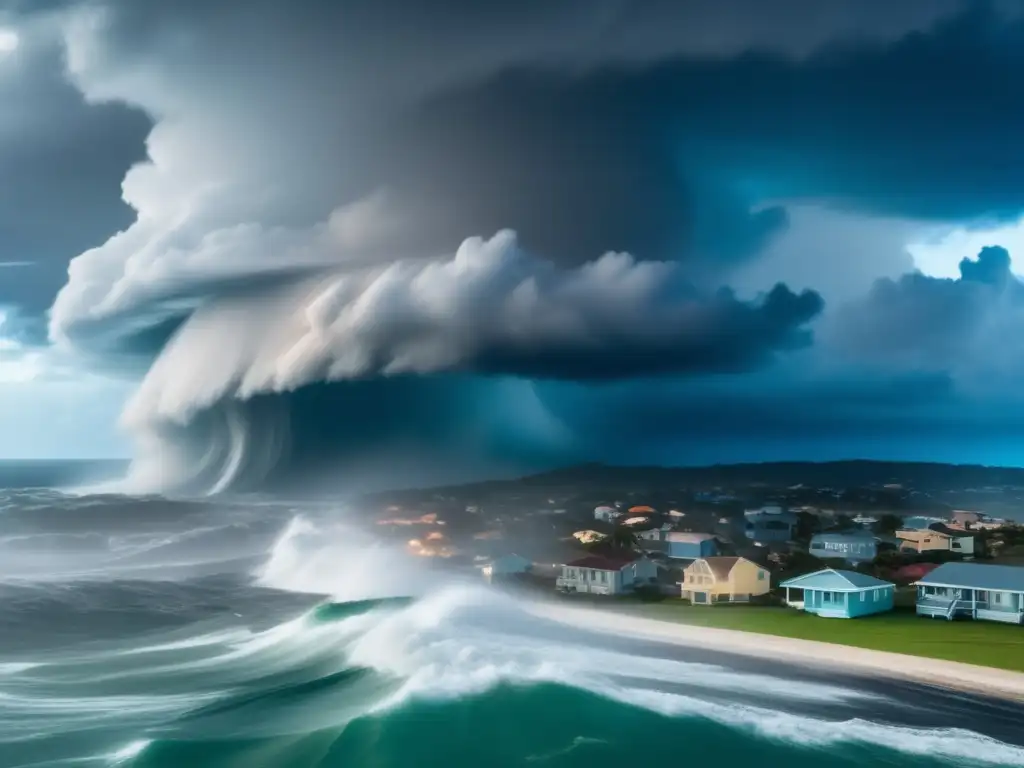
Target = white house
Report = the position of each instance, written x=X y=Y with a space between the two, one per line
x=607 y=514
x=506 y=565
x=607 y=575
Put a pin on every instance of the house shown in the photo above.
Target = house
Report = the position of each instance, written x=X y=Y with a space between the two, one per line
x=676 y=544
x=851 y=546
x=973 y=590
x=988 y=524
x=712 y=580
x=966 y=518
x=607 y=575
x=840 y=594
x=865 y=521
x=686 y=546
x=939 y=538
x=651 y=532
x=770 y=527
x=505 y=566
x=607 y=514
x=964 y=542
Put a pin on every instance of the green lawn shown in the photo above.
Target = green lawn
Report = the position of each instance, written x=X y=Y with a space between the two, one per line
x=973 y=642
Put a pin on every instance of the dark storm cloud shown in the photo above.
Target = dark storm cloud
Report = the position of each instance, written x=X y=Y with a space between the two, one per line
x=490 y=309
x=362 y=143
x=61 y=165
x=582 y=182
x=965 y=326
x=667 y=159
x=650 y=140
x=791 y=407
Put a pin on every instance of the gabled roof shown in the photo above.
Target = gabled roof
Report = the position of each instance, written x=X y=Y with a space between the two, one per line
x=603 y=563
x=836 y=581
x=720 y=566
x=977 y=576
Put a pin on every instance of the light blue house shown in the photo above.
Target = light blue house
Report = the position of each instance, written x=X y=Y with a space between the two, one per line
x=690 y=546
x=973 y=591
x=840 y=594
x=851 y=546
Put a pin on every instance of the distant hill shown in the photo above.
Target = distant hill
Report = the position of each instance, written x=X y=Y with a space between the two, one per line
x=836 y=474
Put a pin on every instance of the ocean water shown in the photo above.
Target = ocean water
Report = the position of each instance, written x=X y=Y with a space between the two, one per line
x=250 y=633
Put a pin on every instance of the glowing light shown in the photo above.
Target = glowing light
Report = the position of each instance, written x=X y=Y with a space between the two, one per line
x=9 y=41
x=939 y=255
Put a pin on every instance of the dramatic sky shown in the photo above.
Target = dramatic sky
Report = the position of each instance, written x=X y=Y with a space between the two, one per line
x=243 y=238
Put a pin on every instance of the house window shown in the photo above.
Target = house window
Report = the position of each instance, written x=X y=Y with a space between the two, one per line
x=760 y=575
x=997 y=598
x=874 y=595
x=604 y=577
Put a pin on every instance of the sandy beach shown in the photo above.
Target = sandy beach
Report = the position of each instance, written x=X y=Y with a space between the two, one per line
x=970 y=678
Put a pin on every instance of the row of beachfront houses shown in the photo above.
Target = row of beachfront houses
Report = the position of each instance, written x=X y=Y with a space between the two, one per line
x=951 y=591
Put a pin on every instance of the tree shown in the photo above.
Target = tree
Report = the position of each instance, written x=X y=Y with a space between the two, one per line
x=843 y=523
x=621 y=539
x=797 y=563
x=806 y=526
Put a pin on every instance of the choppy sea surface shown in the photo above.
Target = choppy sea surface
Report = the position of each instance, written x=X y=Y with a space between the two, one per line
x=252 y=633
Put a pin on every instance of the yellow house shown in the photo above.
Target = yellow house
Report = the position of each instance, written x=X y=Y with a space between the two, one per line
x=930 y=540
x=724 y=580
x=922 y=541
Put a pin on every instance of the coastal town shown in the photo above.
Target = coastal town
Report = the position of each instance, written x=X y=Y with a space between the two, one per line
x=954 y=553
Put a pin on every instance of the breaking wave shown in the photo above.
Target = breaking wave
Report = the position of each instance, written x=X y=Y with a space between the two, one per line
x=330 y=648
x=346 y=437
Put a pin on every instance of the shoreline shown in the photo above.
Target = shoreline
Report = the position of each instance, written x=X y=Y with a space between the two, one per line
x=810 y=654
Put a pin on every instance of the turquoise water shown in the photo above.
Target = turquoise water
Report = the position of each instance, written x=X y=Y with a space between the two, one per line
x=193 y=636
x=542 y=725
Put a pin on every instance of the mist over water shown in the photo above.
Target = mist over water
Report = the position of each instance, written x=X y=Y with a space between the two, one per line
x=152 y=632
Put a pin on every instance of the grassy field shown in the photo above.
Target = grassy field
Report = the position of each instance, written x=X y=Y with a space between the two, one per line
x=973 y=642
